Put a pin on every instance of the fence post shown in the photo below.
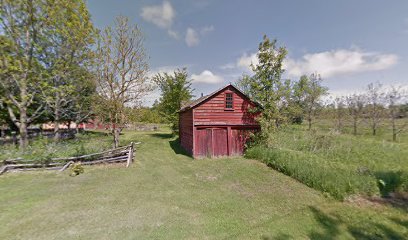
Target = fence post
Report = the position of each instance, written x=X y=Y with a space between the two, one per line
x=130 y=156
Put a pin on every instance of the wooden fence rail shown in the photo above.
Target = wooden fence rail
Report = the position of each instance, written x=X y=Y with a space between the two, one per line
x=121 y=154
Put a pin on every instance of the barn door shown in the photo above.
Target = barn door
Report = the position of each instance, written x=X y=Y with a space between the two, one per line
x=220 y=142
x=211 y=142
x=239 y=138
x=203 y=142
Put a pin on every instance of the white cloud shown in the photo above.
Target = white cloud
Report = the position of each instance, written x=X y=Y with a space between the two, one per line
x=328 y=63
x=160 y=15
x=192 y=38
x=207 y=29
x=207 y=77
x=340 y=62
x=193 y=35
x=246 y=60
x=228 y=66
x=173 y=34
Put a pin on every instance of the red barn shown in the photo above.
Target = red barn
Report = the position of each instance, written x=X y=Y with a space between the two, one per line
x=217 y=124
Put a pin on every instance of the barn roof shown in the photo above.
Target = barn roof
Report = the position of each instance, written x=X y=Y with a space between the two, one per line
x=198 y=101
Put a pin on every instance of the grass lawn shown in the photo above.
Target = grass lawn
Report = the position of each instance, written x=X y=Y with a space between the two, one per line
x=168 y=195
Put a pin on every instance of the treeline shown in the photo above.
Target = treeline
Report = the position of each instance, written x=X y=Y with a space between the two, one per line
x=376 y=106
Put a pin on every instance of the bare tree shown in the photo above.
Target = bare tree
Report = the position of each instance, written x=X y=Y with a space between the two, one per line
x=355 y=106
x=121 y=72
x=394 y=97
x=339 y=113
x=375 y=97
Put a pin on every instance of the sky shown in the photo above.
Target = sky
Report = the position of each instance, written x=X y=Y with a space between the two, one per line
x=350 y=43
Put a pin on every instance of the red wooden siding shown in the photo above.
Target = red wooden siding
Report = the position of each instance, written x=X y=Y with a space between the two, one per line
x=186 y=130
x=240 y=137
x=213 y=112
x=203 y=142
x=209 y=127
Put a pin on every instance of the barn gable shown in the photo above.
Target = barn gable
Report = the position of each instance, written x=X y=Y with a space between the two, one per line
x=214 y=110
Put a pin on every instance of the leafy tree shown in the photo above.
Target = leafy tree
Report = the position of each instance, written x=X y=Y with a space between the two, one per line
x=307 y=93
x=67 y=54
x=121 y=73
x=175 y=89
x=22 y=24
x=243 y=84
x=268 y=88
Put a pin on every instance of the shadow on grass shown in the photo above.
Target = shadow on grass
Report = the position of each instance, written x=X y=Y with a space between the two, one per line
x=163 y=135
x=280 y=236
x=390 y=181
x=95 y=133
x=331 y=223
x=175 y=145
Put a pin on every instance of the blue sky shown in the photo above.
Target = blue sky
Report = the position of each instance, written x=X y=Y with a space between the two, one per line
x=350 y=43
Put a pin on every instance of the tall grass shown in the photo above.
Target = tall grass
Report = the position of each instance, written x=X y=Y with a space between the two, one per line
x=336 y=164
x=42 y=149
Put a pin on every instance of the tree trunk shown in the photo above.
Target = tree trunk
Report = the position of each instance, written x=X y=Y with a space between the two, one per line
x=309 y=119
x=23 y=128
x=374 y=128
x=76 y=127
x=394 y=129
x=355 y=126
x=116 y=132
x=56 y=120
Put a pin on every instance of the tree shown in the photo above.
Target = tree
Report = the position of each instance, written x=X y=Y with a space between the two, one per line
x=243 y=84
x=121 y=72
x=268 y=88
x=175 y=89
x=339 y=112
x=67 y=54
x=22 y=23
x=307 y=93
x=375 y=97
x=393 y=98
x=355 y=106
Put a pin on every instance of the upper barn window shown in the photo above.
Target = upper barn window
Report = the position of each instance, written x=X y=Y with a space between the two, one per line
x=229 y=101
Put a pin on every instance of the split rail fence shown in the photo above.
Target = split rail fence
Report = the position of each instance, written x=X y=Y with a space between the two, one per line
x=117 y=155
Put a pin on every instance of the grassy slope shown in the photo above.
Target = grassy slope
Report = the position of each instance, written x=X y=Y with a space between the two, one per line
x=167 y=195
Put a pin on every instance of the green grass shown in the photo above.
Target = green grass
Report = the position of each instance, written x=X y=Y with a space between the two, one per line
x=338 y=164
x=168 y=195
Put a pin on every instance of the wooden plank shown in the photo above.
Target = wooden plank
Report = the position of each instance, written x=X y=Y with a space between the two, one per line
x=130 y=155
x=66 y=166
x=90 y=155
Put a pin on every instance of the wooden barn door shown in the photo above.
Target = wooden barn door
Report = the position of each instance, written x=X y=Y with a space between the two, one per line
x=211 y=142
x=203 y=142
x=220 y=142
x=238 y=139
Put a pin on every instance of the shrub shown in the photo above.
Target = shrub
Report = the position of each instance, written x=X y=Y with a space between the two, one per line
x=76 y=169
x=392 y=182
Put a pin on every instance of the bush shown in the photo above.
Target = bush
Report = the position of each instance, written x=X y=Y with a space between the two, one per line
x=392 y=182
x=315 y=173
x=76 y=169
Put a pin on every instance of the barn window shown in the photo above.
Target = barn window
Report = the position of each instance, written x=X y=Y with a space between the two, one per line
x=229 y=101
